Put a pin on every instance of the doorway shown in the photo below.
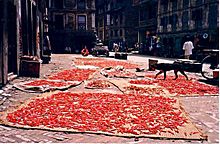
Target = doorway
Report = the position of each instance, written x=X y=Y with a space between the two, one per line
x=12 y=43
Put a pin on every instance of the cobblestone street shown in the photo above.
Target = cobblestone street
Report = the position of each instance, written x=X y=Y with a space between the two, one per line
x=203 y=111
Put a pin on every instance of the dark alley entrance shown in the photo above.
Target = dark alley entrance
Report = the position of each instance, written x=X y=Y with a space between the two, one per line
x=12 y=45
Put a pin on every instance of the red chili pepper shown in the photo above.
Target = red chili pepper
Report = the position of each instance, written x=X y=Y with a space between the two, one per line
x=101 y=112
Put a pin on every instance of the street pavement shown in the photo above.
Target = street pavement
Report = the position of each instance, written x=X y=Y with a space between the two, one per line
x=203 y=110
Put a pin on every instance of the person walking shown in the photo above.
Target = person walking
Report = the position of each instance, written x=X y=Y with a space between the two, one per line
x=188 y=47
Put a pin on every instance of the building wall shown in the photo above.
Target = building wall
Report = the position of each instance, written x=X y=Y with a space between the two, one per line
x=116 y=22
x=18 y=34
x=72 y=25
x=168 y=21
x=3 y=43
x=181 y=18
x=147 y=24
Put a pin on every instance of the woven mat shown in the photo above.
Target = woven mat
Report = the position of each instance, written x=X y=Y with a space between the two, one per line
x=147 y=90
x=40 y=88
x=102 y=119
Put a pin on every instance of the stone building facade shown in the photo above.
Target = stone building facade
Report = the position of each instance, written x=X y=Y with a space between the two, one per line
x=21 y=34
x=166 y=22
x=147 y=23
x=178 y=19
x=116 y=21
x=72 y=25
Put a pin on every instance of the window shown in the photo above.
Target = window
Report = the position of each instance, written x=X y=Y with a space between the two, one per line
x=111 y=33
x=142 y=15
x=108 y=19
x=121 y=32
x=70 y=22
x=165 y=5
x=101 y=22
x=213 y=16
x=121 y=19
x=198 y=2
x=116 y=20
x=150 y=13
x=59 y=23
x=162 y=21
x=112 y=20
x=170 y=20
x=197 y=17
x=89 y=3
x=185 y=4
x=81 y=22
x=70 y=3
x=197 y=14
x=174 y=5
x=185 y=20
x=116 y=33
x=174 y=21
x=81 y=4
x=93 y=20
x=58 y=4
x=135 y=1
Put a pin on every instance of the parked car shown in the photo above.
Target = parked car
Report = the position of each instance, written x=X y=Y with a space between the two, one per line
x=100 y=49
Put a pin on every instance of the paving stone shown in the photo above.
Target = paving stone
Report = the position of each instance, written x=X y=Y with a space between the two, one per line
x=23 y=138
x=5 y=128
x=3 y=140
x=3 y=100
x=7 y=139
x=58 y=137
x=6 y=95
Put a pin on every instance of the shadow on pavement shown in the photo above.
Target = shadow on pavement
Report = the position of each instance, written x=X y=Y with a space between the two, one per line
x=210 y=82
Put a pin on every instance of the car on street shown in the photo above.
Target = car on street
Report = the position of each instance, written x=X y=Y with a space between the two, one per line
x=100 y=50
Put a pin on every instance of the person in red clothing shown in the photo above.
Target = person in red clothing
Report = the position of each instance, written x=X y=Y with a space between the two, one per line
x=85 y=51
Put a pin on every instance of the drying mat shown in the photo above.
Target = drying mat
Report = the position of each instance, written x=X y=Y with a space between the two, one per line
x=182 y=87
x=98 y=84
x=102 y=63
x=82 y=59
x=189 y=88
x=43 y=85
x=133 y=88
x=105 y=113
x=73 y=75
x=86 y=67
x=114 y=72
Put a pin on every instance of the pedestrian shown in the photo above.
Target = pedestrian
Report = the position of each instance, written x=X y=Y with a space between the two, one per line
x=85 y=51
x=137 y=46
x=115 y=47
x=46 y=46
x=187 y=47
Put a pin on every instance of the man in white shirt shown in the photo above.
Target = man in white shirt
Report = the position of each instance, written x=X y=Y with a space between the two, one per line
x=187 y=47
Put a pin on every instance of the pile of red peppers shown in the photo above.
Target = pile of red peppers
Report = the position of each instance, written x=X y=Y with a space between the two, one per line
x=105 y=112
x=98 y=84
x=50 y=83
x=72 y=75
